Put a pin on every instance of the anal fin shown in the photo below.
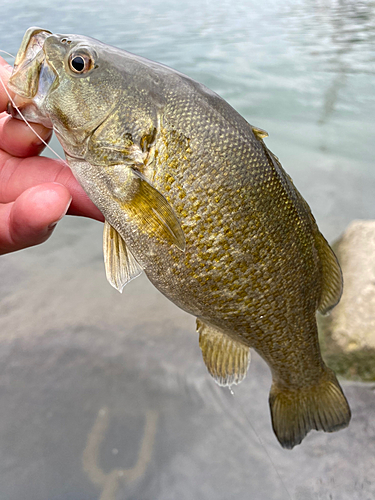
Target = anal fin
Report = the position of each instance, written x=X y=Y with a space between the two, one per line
x=120 y=265
x=227 y=360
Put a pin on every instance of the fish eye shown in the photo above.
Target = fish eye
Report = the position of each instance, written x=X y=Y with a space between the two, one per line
x=80 y=63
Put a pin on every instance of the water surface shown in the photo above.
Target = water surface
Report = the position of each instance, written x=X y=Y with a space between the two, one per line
x=89 y=375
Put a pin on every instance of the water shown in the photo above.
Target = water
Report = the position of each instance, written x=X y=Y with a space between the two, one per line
x=86 y=371
x=301 y=70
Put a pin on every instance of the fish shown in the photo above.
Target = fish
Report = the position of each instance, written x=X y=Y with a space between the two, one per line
x=194 y=198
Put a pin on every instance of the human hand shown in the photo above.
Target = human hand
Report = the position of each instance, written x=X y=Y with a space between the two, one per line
x=35 y=192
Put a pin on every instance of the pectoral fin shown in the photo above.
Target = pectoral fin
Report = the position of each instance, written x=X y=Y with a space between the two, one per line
x=226 y=359
x=153 y=213
x=120 y=265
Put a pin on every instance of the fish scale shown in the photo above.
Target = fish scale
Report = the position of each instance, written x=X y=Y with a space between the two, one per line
x=192 y=196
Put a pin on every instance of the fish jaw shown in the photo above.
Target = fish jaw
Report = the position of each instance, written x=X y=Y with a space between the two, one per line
x=31 y=79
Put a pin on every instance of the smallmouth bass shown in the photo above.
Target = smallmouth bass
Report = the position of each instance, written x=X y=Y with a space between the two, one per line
x=194 y=198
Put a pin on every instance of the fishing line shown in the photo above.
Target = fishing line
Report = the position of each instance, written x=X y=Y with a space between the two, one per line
x=247 y=418
x=28 y=124
x=8 y=53
x=239 y=405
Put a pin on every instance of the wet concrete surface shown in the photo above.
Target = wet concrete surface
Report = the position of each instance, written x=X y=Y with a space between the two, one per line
x=105 y=396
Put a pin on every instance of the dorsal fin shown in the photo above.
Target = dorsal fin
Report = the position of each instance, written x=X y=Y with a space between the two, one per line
x=332 y=275
x=332 y=282
x=227 y=360
x=259 y=133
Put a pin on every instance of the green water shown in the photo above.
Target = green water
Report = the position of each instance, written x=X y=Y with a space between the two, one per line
x=71 y=346
x=303 y=70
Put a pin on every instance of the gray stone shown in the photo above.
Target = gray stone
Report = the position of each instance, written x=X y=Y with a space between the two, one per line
x=349 y=331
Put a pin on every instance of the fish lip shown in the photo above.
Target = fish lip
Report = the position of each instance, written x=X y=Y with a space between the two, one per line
x=34 y=36
x=28 y=112
x=31 y=79
x=28 y=63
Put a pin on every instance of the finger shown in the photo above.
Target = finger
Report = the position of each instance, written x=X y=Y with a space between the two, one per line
x=15 y=136
x=5 y=72
x=31 y=219
x=18 y=139
x=17 y=175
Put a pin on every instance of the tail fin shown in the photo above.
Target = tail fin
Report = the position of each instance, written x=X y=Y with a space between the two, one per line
x=295 y=412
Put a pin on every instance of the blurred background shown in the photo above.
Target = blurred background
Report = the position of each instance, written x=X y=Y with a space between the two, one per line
x=105 y=396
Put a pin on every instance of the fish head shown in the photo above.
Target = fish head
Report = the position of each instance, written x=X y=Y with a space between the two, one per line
x=66 y=82
x=104 y=105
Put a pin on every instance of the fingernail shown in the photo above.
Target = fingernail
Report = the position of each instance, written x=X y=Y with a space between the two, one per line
x=67 y=206
x=52 y=226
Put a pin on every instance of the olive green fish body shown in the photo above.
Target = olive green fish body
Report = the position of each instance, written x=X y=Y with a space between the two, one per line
x=251 y=266
x=193 y=197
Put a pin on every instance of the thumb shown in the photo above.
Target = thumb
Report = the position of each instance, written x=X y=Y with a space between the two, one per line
x=31 y=219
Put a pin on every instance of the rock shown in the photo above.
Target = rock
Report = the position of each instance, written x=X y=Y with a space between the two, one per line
x=348 y=333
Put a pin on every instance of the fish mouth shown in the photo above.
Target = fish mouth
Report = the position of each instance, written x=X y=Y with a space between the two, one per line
x=31 y=79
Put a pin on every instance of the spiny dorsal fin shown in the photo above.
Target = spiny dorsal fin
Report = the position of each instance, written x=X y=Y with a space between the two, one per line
x=332 y=277
x=332 y=282
x=226 y=359
x=259 y=133
x=150 y=210
x=120 y=265
x=295 y=412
